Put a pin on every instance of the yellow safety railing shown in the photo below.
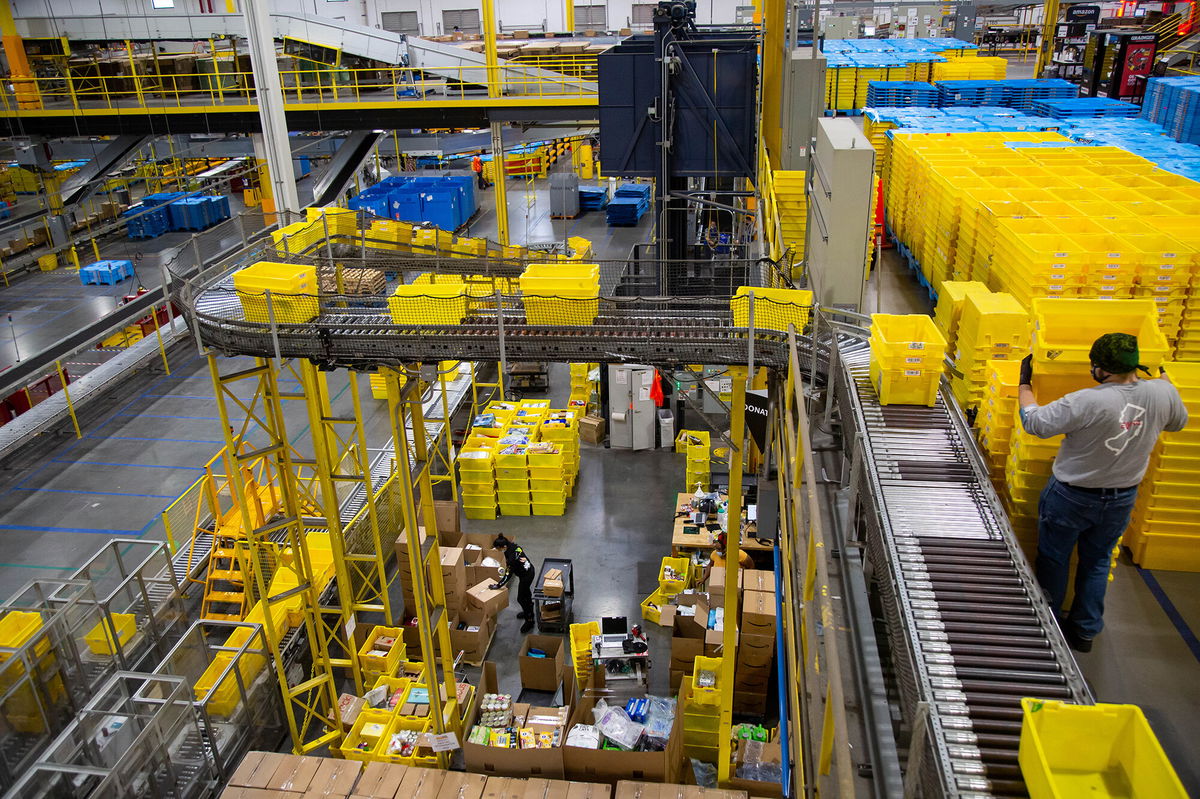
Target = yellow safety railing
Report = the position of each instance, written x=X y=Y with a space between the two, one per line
x=542 y=77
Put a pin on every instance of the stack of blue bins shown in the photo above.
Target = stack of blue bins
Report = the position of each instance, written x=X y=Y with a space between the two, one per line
x=1174 y=103
x=971 y=93
x=627 y=206
x=592 y=198
x=1084 y=107
x=197 y=213
x=901 y=94
x=1022 y=94
x=445 y=201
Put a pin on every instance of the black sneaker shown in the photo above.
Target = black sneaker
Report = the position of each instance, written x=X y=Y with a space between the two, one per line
x=1078 y=642
x=527 y=626
x=522 y=615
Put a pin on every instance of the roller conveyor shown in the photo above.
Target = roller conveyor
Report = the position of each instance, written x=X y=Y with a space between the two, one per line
x=969 y=633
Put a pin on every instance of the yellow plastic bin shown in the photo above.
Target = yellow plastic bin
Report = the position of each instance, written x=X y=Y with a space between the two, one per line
x=1064 y=330
x=428 y=304
x=100 y=640
x=293 y=290
x=1072 y=751
x=706 y=695
x=774 y=309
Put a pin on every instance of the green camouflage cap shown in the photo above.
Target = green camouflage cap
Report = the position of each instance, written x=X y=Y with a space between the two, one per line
x=1116 y=353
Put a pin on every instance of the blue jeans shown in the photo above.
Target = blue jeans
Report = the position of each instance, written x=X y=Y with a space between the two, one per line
x=1068 y=517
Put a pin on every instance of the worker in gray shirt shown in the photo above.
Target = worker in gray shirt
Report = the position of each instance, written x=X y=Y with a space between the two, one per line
x=1110 y=431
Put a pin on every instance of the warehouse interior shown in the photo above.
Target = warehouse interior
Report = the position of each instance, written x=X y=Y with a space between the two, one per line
x=382 y=380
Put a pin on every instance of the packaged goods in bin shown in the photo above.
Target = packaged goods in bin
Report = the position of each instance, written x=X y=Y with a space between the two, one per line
x=774 y=309
x=706 y=681
x=428 y=304
x=1070 y=751
x=293 y=290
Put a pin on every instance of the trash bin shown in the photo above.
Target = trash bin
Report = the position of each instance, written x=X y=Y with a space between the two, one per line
x=666 y=428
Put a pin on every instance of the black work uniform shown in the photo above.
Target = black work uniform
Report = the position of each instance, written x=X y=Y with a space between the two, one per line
x=517 y=564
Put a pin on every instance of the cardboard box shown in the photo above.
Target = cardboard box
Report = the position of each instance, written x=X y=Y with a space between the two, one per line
x=504 y=788
x=473 y=643
x=610 y=766
x=454 y=575
x=460 y=785
x=402 y=564
x=448 y=519
x=758 y=580
x=684 y=652
x=676 y=678
x=490 y=600
x=552 y=582
x=335 y=778
x=751 y=682
x=750 y=703
x=588 y=790
x=758 y=613
x=268 y=763
x=421 y=783
x=478 y=547
x=691 y=625
x=542 y=674
x=520 y=34
x=771 y=753
x=295 y=773
x=591 y=429
x=349 y=706
x=716 y=583
x=380 y=780
x=538 y=788
x=496 y=762
x=234 y=792
x=755 y=651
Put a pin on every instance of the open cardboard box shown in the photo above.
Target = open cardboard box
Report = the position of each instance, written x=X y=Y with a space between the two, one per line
x=772 y=754
x=491 y=760
x=478 y=547
x=473 y=643
x=611 y=766
x=542 y=674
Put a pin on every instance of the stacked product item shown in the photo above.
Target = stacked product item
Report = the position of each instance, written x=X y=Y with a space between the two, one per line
x=592 y=198
x=674 y=577
x=980 y=68
x=696 y=446
x=701 y=708
x=583 y=387
x=561 y=294
x=901 y=93
x=1174 y=103
x=445 y=201
x=1165 y=530
x=906 y=359
x=853 y=64
x=627 y=206
x=993 y=327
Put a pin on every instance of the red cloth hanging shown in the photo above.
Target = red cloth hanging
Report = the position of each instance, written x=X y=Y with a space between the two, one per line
x=656 y=392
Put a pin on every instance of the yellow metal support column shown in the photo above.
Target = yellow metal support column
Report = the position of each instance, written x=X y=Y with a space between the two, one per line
x=774 y=14
x=495 y=89
x=310 y=703
x=733 y=552
x=341 y=468
x=428 y=590
x=1046 y=45
x=569 y=15
x=24 y=83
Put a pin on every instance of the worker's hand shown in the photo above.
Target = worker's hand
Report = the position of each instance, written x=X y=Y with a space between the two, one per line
x=494 y=587
x=1027 y=370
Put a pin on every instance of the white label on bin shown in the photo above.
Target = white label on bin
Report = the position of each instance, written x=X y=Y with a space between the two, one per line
x=1166 y=266
x=1058 y=266
x=1056 y=288
x=1002 y=345
x=445 y=742
x=912 y=372
x=912 y=360
x=1166 y=277
x=1114 y=255
x=916 y=345
x=1058 y=277
x=1062 y=254
x=1168 y=255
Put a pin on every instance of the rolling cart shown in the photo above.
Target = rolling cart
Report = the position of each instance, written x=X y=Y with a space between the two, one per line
x=554 y=613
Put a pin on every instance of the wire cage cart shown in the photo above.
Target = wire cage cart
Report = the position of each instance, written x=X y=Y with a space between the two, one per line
x=553 y=611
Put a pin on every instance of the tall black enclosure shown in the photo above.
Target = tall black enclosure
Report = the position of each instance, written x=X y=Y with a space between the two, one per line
x=713 y=90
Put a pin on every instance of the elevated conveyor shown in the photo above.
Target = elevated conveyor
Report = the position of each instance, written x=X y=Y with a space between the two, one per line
x=968 y=630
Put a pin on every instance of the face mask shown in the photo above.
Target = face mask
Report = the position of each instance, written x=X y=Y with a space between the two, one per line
x=1097 y=375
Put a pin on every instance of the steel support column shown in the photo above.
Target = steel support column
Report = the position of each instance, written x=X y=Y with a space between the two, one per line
x=501 y=192
x=22 y=77
x=1046 y=45
x=269 y=94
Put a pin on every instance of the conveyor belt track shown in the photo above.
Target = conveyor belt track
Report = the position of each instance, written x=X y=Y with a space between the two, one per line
x=968 y=630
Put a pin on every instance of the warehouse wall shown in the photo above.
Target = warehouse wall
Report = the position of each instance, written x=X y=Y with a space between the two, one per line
x=511 y=13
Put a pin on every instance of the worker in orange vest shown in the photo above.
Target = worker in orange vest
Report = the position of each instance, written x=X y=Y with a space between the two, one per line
x=477 y=168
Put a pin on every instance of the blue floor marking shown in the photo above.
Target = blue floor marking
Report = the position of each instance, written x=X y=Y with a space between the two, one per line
x=143 y=438
x=126 y=465
x=99 y=493
x=48 y=529
x=1164 y=601
x=135 y=415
